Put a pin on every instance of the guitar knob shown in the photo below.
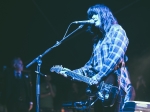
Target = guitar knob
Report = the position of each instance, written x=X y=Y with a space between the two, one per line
x=106 y=96
x=100 y=95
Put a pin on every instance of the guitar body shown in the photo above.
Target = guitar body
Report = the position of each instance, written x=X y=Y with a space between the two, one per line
x=111 y=79
x=108 y=90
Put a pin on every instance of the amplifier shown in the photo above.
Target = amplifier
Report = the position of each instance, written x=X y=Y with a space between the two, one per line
x=136 y=106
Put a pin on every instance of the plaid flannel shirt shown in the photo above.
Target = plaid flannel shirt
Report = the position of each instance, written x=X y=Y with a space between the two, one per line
x=107 y=53
x=124 y=79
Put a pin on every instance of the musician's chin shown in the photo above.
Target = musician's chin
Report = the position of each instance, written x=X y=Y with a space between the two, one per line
x=97 y=24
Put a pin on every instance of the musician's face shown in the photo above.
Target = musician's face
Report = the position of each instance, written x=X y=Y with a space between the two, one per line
x=97 y=20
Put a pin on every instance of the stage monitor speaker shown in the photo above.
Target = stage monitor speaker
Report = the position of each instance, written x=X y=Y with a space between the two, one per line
x=137 y=106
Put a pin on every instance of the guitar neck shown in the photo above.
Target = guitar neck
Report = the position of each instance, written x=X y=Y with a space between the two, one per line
x=78 y=77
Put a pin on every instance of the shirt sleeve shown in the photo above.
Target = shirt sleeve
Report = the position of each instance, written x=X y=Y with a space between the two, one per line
x=117 y=50
x=83 y=70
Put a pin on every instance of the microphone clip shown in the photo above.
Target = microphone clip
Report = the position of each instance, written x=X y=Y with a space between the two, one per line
x=41 y=73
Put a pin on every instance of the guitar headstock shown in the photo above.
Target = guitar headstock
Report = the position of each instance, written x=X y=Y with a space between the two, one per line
x=56 y=68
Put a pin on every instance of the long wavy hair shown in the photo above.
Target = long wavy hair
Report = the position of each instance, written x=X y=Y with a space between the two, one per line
x=105 y=14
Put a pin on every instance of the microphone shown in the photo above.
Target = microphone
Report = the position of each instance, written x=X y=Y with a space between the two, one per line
x=91 y=21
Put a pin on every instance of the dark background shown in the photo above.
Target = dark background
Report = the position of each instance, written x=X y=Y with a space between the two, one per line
x=29 y=27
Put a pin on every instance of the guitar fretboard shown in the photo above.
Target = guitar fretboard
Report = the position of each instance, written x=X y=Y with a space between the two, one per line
x=78 y=77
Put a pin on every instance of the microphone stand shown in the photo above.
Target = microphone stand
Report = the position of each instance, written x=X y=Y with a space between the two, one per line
x=39 y=62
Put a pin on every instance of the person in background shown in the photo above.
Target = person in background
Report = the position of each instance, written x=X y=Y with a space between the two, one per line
x=17 y=91
x=48 y=93
x=141 y=89
x=76 y=94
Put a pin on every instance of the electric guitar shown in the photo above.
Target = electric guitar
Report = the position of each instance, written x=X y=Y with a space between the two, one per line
x=107 y=89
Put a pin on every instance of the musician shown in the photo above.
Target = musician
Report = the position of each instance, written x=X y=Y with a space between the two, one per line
x=17 y=91
x=109 y=47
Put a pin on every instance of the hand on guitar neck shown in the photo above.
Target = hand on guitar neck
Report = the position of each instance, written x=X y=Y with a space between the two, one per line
x=61 y=70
